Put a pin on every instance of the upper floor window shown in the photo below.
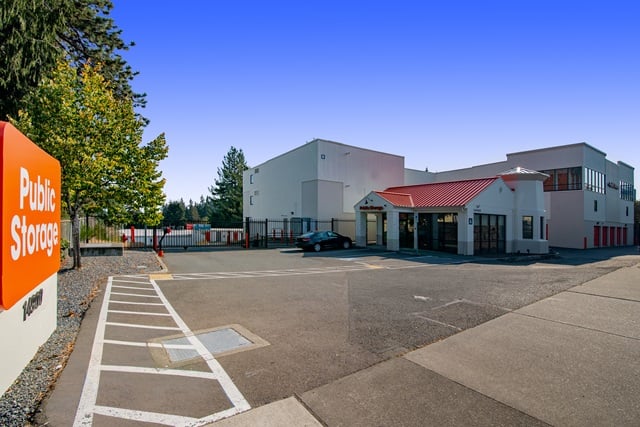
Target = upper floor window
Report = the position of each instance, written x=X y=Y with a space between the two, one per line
x=627 y=192
x=594 y=181
x=251 y=179
x=563 y=179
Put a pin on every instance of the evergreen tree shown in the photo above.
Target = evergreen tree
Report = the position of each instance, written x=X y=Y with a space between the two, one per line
x=174 y=213
x=203 y=209
x=226 y=193
x=192 y=212
x=34 y=34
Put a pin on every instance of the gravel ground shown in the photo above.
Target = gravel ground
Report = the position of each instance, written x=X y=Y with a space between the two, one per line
x=76 y=290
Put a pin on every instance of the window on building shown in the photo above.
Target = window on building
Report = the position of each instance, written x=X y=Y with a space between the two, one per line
x=563 y=179
x=489 y=235
x=562 y=182
x=251 y=200
x=251 y=179
x=541 y=228
x=448 y=232
x=527 y=227
x=549 y=183
x=594 y=181
x=575 y=178
x=595 y=206
x=627 y=192
x=627 y=210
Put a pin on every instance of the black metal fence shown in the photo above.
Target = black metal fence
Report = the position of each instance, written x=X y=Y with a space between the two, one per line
x=250 y=233
x=282 y=233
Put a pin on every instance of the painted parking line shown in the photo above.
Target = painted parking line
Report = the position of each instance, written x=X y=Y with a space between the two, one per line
x=359 y=266
x=88 y=406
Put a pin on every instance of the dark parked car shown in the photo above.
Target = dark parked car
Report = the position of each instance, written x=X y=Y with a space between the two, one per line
x=319 y=240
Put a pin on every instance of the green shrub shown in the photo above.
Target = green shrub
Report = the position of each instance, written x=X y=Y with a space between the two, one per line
x=64 y=248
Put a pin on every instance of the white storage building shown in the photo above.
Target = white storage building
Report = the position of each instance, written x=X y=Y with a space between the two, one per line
x=573 y=196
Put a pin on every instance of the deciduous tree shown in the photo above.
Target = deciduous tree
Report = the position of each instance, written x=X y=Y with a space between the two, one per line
x=75 y=116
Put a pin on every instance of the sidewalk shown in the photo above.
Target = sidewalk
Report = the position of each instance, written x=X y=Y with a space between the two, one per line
x=569 y=360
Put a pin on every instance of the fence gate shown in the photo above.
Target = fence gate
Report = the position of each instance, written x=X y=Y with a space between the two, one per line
x=250 y=233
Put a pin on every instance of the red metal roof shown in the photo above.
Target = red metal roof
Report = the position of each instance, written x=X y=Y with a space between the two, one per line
x=396 y=199
x=454 y=193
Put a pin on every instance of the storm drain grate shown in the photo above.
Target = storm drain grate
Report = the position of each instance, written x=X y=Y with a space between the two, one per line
x=218 y=341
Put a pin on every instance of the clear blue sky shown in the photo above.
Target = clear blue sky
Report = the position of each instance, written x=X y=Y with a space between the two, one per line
x=446 y=84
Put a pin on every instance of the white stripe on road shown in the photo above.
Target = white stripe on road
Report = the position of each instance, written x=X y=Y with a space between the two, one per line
x=88 y=407
x=134 y=325
x=235 y=397
x=137 y=303
x=134 y=295
x=144 y=416
x=141 y=313
x=158 y=371
x=137 y=288
x=150 y=344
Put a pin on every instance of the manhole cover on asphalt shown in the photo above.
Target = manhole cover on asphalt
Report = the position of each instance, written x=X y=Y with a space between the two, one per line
x=218 y=341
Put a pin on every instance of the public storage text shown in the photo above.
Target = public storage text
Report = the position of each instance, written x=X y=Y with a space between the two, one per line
x=36 y=196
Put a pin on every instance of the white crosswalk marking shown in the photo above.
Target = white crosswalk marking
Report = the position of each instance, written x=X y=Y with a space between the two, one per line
x=88 y=406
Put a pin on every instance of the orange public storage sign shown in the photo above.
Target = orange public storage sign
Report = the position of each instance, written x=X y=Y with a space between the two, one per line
x=30 y=232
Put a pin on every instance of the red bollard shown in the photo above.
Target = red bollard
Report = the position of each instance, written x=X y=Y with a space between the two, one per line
x=133 y=234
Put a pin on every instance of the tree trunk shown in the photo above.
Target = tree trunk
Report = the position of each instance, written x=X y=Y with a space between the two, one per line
x=75 y=237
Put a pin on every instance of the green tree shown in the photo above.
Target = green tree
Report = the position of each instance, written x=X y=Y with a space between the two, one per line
x=106 y=170
x=34 y=34
x=226 y=192
x=174 y=213
x=204 y=208
x=192 y=213
x=28 y=47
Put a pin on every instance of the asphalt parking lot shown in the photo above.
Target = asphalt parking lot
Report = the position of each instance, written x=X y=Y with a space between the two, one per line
x=331 y=314
x=318 y=317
